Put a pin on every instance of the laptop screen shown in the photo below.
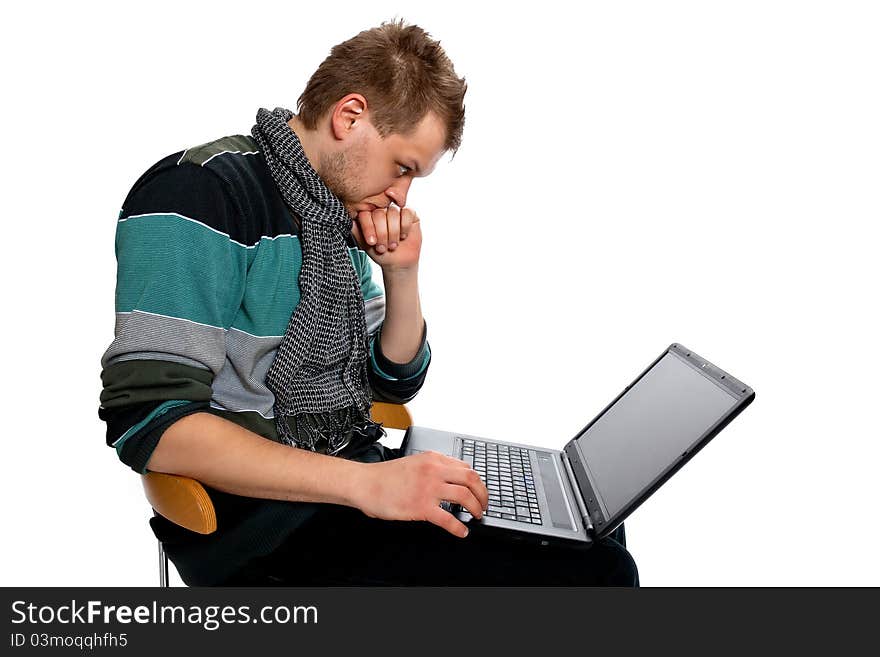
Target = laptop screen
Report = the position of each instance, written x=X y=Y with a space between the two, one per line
x=663 y=415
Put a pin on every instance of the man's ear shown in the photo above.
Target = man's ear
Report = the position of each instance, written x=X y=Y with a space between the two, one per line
x=347 y=116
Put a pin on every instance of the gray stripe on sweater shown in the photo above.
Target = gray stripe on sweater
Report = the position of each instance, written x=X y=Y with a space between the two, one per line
x=374 y=309
x=169 y=338
x=239 y=361
x=241 y=383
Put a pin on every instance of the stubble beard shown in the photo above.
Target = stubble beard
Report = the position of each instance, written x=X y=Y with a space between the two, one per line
x=338 y=171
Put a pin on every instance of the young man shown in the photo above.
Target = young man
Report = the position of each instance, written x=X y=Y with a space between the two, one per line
x=250 y=339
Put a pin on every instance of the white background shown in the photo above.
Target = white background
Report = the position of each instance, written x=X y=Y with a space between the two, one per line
x=632 y=174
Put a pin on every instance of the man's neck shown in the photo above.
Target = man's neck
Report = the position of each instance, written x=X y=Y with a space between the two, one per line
x=308 y=139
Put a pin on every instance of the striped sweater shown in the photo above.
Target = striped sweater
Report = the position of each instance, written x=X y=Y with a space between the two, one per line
x=208 y=260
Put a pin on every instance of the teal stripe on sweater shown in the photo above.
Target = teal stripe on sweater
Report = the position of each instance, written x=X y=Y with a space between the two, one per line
x=272 y=291
x=364 y=267
x=174 y=266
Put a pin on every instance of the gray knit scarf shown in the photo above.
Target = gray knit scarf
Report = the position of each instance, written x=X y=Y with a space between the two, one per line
x=319 y=375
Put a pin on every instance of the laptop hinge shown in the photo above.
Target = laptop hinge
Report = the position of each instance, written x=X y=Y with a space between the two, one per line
x=588 y=524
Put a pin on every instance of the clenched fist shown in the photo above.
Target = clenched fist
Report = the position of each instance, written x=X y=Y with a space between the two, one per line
x=390 y=236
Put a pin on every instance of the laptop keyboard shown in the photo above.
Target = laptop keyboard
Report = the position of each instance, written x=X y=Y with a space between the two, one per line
x=507 y=473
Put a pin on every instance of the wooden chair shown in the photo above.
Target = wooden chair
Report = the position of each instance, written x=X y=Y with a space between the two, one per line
x=185 y=501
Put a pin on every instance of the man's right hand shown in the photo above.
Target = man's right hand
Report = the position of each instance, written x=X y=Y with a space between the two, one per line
x=412 y=488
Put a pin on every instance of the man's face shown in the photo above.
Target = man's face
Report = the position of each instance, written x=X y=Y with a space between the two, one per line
x=374 y=171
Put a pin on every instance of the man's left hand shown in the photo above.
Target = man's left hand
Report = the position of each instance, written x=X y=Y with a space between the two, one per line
x=390 y=236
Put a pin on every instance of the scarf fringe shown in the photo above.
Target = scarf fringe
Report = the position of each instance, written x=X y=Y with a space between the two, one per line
x=337 y=429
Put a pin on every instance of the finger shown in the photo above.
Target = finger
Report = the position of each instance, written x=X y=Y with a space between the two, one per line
x=445 y=459
x=451 y=460
x=358 y=236
x=461 y=473
x=380 y=225
x=365 y=219
x=393 y=226
x=407 y=219
x=471 y=481
x=413 y=227
x=463 y=496
x=447 y=521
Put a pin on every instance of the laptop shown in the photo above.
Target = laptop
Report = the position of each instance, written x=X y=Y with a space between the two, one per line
x=585 y=491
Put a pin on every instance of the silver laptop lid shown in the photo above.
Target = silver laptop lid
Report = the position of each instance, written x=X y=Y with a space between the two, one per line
x=679 y=403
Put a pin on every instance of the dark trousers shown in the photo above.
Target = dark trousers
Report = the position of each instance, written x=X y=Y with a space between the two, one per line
x=340 y=546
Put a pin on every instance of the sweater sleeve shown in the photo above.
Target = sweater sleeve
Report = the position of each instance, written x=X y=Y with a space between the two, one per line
x=391 y=382
x=179 y=284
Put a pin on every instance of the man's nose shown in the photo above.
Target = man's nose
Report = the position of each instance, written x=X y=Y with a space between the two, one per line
x=398 y=190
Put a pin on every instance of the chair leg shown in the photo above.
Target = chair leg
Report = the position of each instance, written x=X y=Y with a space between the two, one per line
x=163 y=566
